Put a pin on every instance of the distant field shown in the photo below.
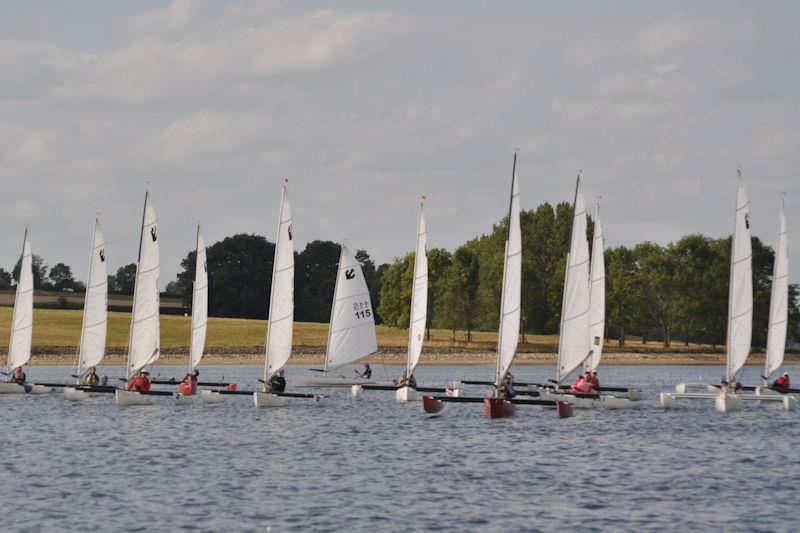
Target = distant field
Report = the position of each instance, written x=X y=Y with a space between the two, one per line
x=51 y=298
x=58 y=329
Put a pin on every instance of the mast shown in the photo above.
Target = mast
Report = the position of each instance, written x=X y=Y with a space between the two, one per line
x=778 y=311
x=135 y=284
x=85 y=297
x=333 y=307
x=194 y=295
x=497 y=376
x=16 y=300
x=272 y=290
x=413 y=291
x=566 y=276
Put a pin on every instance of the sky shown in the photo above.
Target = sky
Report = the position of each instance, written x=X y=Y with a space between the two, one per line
x=365 y=106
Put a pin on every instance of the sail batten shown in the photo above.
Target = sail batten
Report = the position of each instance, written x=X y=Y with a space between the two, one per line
x=740 y=292
x=351 y=335
x=418 y=314
x=510 y=299
x=145 y=345
x=281 y=294
x=573 y=345
x=92 y=346
x=199 y=303
x=19 y=346
x=779 y=301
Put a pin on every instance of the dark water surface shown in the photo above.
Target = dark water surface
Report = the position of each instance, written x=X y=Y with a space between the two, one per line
x=376 y=464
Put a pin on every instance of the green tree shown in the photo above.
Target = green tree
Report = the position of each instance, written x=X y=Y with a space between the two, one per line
x=61 y=277
x=5 y=280
x=39 y=268
x=621 y=277
x=459 y=293
x=656 y=284
x=314 y=281
x=396 y=286
x=125 y=279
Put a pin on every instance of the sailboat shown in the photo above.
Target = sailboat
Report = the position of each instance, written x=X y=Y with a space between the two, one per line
x=351 y=335
x=92 y=345
x=574 y=346
x=740 y=322
x=281 y=307
x=144 y=344
x=778 y=308
x=597 y=296
x=19 y=347
x=418 y=315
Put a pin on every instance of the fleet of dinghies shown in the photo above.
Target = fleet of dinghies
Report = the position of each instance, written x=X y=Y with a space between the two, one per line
x=352 y=335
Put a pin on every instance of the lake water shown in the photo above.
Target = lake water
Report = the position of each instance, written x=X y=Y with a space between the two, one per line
x=375 y=464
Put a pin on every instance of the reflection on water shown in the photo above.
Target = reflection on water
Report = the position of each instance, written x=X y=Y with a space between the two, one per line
x=376 y=464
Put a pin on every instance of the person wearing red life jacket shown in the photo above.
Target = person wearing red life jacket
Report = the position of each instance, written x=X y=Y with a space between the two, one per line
x=781 y=382
x=140 y=382
x=594 y=380
x=583 y=386
x=577 y=383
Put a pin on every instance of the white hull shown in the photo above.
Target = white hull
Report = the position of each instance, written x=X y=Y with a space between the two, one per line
x=335 y=381
x=578 y=402
x=320 y=400
x=727 y=402
x=76 y=395
x=128 y=397
x=184 y=399
x=407 y=394
x=210 y=396
x=266 y=399
x=14 y=388
x=613 y=402
x=357 y=391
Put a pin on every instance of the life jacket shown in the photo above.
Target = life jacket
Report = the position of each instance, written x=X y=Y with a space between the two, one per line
x=139 y=383
x=782 y=382
x=584 y=387
x=594 y=381
x=19 y=379
x=92 y=379
x=188 y=388
x=575 y=384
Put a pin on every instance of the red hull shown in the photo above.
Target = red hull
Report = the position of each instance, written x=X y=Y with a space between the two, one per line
x=565 y=410
x=499 y=408
x=431 y=404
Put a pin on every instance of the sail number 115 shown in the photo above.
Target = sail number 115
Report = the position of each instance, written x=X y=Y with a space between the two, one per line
x=362 y=309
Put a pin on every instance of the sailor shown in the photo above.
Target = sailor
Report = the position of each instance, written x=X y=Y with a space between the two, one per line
x=508 y=387
x=737 y=388
x=594 y=381
x=140 y=382
x=401 y=381
x=367 y=373
x=781 y=382
x=91 y=378
x=19 y=376
x=582 y=385
x=277 y=383
x=412 y=382
x=576 y=384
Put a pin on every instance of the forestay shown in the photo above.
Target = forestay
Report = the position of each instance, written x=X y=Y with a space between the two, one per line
x=573 y=345
x=144 y=346
x=740 y=296
x=19 y=347
x=419 y=296
x=92 y=345
x=281 y=295
x=779 y=302
x=511 y=291
x=199 y=303
x=597 y=295
x=352 y=329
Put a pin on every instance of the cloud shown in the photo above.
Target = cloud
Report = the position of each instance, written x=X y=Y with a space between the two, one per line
x=173 y=17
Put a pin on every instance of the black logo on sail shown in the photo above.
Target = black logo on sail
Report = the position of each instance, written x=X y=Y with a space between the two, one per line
x=154 y=234
x=289 y=229
x=103 y=255
x=350 y=273
x=747 y=220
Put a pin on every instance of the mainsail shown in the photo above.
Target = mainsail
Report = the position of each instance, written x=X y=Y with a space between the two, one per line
x=740 y=295
x=92 y=345
x=573 y=343
x=779 y=302
x=597 y=294
x=19 y=347
x=419 y=296
x=199 y=303
x=144 y=344
x=281 y=295
x=511 y=292
x=351 y=335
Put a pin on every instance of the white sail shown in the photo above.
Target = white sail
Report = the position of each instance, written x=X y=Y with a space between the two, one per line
x=597 y=294
x=144 y=344
x=19 y=347
x=281 y=295
x=573 y=344
x=740 y=295
x=92 y=346
x=510 y=298
x=352 y=330
x=199 y=303
x=419 y=296
x=779 y=303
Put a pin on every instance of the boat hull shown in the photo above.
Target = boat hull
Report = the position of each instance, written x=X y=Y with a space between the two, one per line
x=27 y=388
x=613 y=402
x=210 y=396
x=184 y=399
x=727 y=402
x=564 y=409
x=499 y=408
x=320 y=400
x=406 y=394
x=577 y=401
x=357 y=391
x=335 y=381
x=266 y=399
x=126 y=398
x=74 y=395
x=432 y=405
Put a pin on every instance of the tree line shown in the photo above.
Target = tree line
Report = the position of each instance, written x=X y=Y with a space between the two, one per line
x=666 y=293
